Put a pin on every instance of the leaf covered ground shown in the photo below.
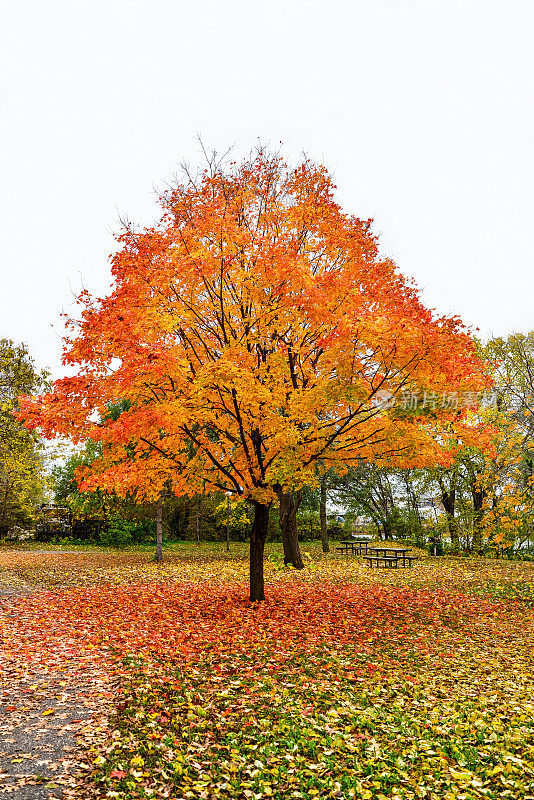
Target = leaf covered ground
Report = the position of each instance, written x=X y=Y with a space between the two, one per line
x=346 y=682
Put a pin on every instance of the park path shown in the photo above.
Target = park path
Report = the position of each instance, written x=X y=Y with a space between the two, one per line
x=42 y=714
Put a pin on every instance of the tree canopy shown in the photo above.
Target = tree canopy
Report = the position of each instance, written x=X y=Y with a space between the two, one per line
x=249 y=333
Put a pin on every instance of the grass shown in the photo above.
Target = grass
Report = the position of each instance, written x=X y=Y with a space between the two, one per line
x=347 y=682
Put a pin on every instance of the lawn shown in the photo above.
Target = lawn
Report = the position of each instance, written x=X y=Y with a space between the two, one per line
x=346 y=682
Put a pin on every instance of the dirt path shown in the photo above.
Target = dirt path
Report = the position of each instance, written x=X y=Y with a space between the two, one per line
x=41 y=715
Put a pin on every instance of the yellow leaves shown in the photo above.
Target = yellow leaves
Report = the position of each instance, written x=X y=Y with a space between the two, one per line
x=460 y=775
x=196 y=711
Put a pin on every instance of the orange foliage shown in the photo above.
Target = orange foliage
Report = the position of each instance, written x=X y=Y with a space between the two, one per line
x=248 y=333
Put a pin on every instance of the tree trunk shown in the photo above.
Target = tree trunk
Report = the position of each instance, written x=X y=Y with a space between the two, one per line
x=159 y=530
x=449 y=500
x=199 y=506
x=478 y=514
x=322 y=514
x=258 y=534
x=184 y=523
x=227 y=524
x=289 y=504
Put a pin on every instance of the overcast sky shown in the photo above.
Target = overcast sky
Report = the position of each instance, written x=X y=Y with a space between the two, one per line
x=423 y=110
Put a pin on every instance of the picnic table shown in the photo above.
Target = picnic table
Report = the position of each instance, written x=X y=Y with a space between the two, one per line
x=389 y=557
x=356 y=546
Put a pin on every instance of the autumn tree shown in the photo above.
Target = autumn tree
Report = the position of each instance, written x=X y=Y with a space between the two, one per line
x=250 y=331
x=504 y=488
x=492 y=448
x=512 y=362
x=22 y=480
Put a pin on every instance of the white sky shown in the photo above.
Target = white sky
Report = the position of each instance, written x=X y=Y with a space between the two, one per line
x=422 y=109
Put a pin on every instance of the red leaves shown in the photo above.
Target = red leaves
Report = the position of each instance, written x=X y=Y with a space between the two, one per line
x=188 y=620
x=118 y=773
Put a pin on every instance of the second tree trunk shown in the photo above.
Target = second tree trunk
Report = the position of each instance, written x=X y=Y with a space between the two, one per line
x=322 y=514
x=289 y=505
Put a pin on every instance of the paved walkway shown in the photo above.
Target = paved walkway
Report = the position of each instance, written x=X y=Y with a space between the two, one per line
x=41 y=714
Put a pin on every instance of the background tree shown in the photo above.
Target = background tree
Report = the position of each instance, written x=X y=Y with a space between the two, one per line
x=369 y=490
x=326 y=479
x=498 y=476
x=249 y=332
x=447 y=481
x=66 y=489
x=512 y=362
x=22 y=476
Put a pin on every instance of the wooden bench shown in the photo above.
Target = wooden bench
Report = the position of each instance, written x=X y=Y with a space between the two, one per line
x=356 y=547
x=383 y=561
x=345 y=548
x=391 y=562
x=360 y=549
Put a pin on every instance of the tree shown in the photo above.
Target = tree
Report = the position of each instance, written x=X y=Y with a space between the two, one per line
x=289 y=503
x=513 y=366
x=66 y=489
x=497 y=475
x=483 y=451
x=22 y=481
x=159 y=529
x=250 y=331
x=323 y=486
x=447 y=480
x=369 y=489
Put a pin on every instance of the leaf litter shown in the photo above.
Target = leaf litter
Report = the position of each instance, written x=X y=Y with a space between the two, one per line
x=345 y=684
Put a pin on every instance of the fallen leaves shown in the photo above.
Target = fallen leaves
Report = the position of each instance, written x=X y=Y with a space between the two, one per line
x=417 y=684
x=23 y=568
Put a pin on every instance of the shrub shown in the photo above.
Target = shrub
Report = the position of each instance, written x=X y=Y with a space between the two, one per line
x=118 y=534
x=335 y=531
